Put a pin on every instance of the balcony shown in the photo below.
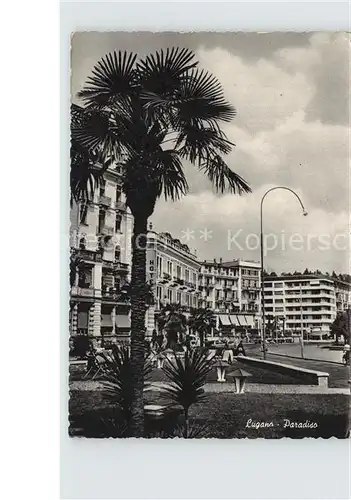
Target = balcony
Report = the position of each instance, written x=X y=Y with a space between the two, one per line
x=109 y=293
x=106 y=230
x=78 y=291
x=120 y=267
x=88 y=255
x=120 y=205
x=105 y=201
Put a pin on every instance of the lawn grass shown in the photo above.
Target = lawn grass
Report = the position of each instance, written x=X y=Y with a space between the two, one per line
x=226 y=414
x=258 y=375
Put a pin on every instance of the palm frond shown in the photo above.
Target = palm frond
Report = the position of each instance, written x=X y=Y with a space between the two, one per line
x=222 y=177
x=117 y=379
x=201 y=97
x=171 y=177
x=160 y=73
x=85 y=175
x=198 y=143
x=96 y=132
x=113 y=77
x=188 y=378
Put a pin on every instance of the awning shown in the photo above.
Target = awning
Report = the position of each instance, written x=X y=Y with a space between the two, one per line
x=234 y=320
x=82 y=320
x=106 y=320
x=122 y=322
x=224 y=319
x=250 y=320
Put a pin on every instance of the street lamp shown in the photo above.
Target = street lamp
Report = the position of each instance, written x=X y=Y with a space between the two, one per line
x=261 y=245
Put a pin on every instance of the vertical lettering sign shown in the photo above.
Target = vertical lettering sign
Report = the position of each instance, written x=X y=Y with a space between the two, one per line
x=152 y=269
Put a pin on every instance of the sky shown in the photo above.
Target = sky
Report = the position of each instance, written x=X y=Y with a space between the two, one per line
x=291 y=94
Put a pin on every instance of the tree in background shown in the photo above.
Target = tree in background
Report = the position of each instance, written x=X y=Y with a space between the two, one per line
x=202 y=321
x=341 y=326
x=173 y=322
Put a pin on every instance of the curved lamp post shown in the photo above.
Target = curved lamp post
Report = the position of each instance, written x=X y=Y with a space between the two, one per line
x=262 y=253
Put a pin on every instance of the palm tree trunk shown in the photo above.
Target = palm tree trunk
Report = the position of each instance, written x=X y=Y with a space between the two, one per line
x=138 y=312
x=186 y=422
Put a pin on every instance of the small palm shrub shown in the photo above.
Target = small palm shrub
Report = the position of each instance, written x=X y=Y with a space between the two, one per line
x=117 y=379
x=188 y=377
x=80 y=345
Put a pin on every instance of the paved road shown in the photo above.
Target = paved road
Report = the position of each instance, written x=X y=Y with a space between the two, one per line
x=310 y=351
x=339 y=374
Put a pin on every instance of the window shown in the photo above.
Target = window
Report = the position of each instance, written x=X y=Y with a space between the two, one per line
x=159 y=265
x=279 y=309
x=169 y=295
x=278 y=285
x=179 y=297
x=159 y=292
x=102 y=187
x=102 y=216
x=169 y=267
x=83 y=212
x=194 y=278
x=187 y=299
x=118 y=223
x=118 y=192
x=82 y=244
x=117 y=253
x=179 y=272
x=279 y=301
x=84 y=278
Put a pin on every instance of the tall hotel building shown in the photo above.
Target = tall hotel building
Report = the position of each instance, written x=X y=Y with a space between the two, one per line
x=232 y=291
x=306 y=302
x=172 y=272
x=100 y=243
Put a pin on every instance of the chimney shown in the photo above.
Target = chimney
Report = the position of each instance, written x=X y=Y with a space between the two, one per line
x=220 y=260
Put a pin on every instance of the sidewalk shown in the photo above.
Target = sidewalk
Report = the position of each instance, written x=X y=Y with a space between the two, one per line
x=95 y=385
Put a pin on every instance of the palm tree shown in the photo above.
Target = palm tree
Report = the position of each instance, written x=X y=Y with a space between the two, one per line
x=173 y=322
x=201 y=321
x=148 y=116
x=188 y=378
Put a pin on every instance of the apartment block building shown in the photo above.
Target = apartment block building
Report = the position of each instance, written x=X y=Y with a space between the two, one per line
x=173 y=273
x=100 y=241
x=232 y=291
x=305 y=302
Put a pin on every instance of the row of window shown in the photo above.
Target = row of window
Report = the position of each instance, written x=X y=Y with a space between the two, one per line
x=174 y=270
x=83 y=213
x=176 y=297
x=101 y=246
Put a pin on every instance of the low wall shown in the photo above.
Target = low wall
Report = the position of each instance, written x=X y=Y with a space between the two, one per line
x=311 y=376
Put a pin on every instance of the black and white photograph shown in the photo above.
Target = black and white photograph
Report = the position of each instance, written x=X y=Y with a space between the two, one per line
x=209 y=261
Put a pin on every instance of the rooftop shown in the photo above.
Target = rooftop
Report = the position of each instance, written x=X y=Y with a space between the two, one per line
x=309 y=277
x=230 y=264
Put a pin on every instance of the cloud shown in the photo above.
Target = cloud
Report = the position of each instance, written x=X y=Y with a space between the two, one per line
x=291 y=93
x=234 y=226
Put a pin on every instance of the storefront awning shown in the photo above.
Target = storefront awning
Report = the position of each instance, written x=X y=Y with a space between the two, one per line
x=224 y=319
x=106 y=320
x=122 y=322
x=242 y=320
x=250 y=320
x=82 y=320
x=234 y=320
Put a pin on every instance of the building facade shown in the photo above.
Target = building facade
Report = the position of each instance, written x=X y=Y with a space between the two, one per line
x=100 y=241
x=307 y=303
x=173 y=273
x=232 y=291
